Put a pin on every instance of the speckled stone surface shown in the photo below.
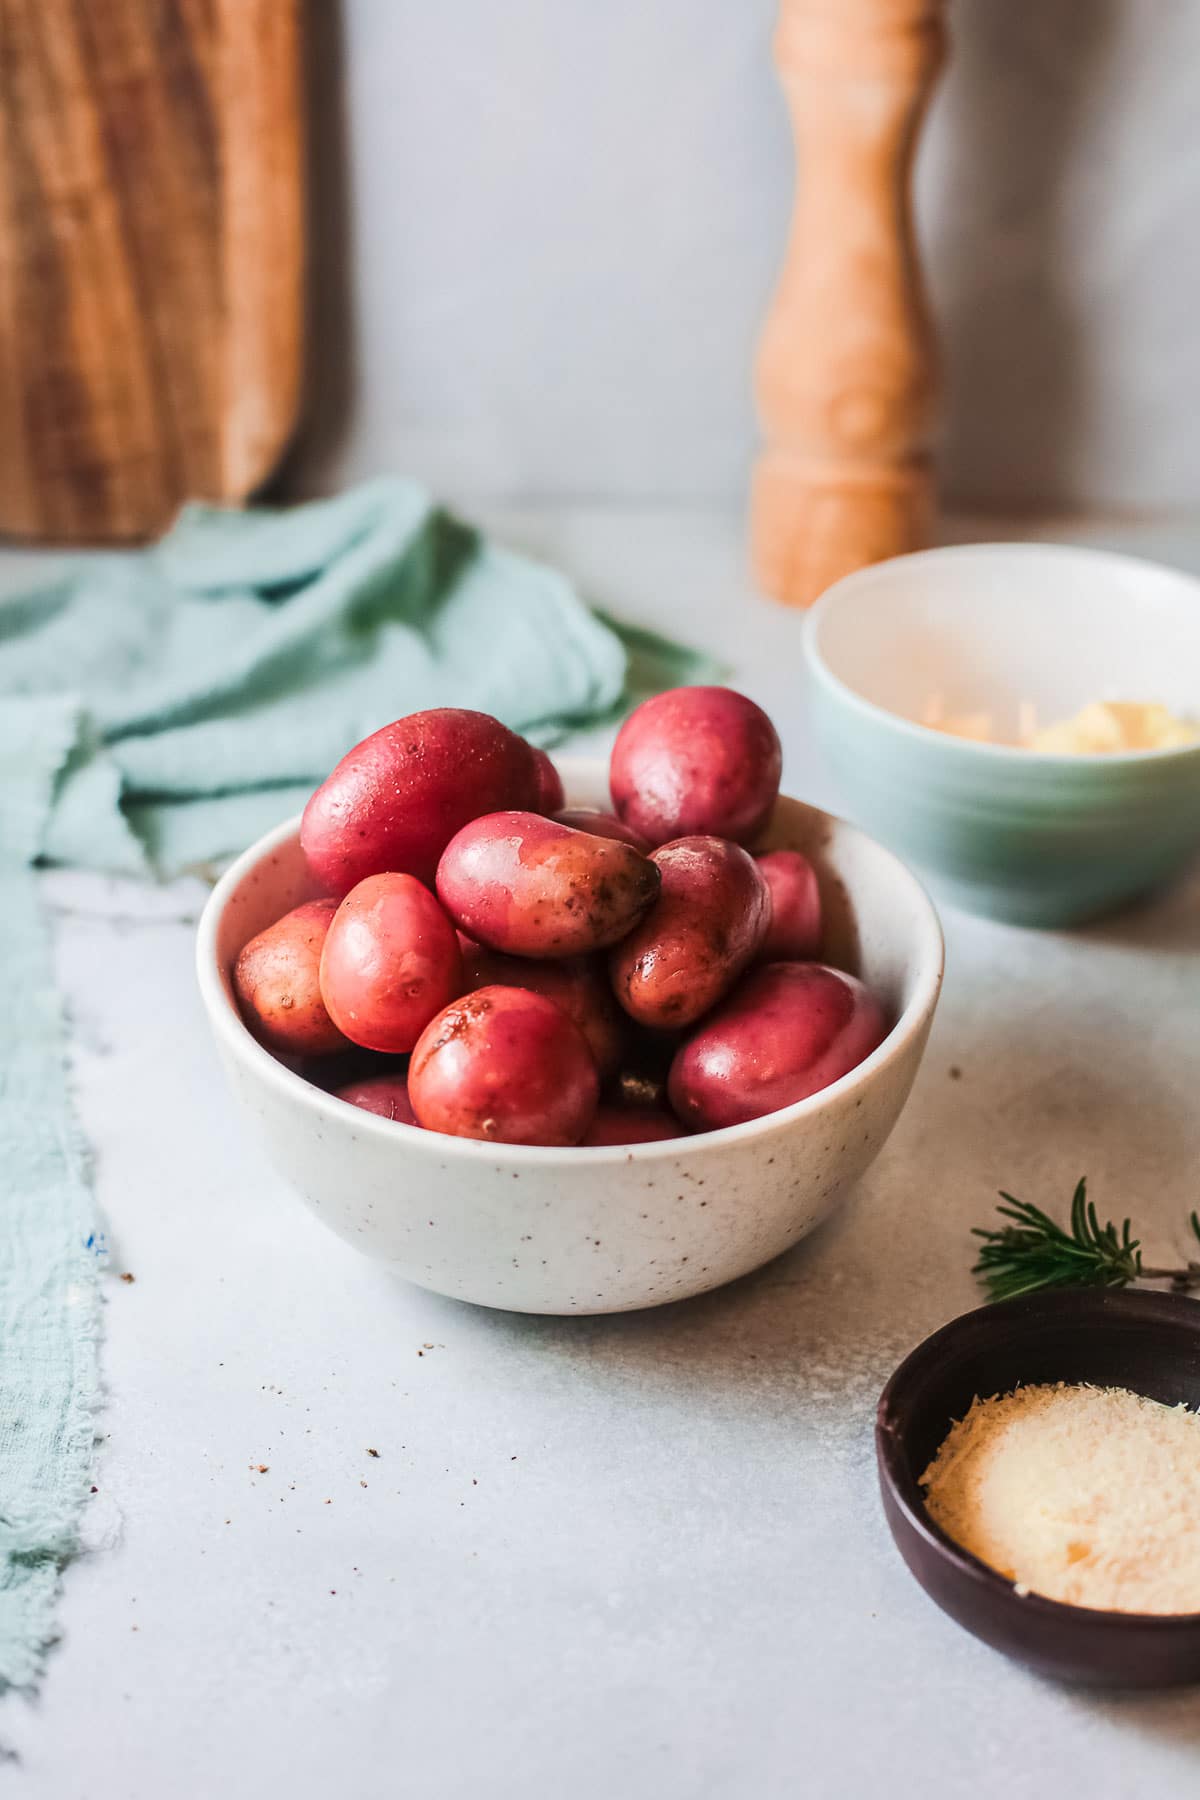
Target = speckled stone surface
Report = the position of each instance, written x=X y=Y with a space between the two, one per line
x=638 y=1556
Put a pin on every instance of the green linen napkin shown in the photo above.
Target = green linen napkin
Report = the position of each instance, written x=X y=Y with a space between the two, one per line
x=221 y=675
x=159 y=710
x=48 y=1297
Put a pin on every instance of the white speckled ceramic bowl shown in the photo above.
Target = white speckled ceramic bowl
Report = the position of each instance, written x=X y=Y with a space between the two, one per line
x=596 y=1230
x=1015 y=834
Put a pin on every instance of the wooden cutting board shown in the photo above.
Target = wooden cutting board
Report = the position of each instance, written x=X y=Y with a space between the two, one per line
x=151 y=258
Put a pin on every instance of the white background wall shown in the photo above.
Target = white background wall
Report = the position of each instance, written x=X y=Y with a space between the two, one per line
x=547 y=230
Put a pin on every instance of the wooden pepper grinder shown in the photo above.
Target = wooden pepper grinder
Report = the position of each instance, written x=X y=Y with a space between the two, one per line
x=845 y=375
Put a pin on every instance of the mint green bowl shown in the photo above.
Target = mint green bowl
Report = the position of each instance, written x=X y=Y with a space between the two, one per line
x=1014 y=834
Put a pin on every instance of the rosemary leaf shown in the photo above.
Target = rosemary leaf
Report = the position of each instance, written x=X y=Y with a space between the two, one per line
x=1033 y=1252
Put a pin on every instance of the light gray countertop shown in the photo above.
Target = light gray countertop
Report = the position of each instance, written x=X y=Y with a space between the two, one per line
x=634 y=1557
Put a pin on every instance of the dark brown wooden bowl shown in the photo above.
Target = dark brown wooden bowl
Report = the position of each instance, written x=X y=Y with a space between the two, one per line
x=1148 y=1342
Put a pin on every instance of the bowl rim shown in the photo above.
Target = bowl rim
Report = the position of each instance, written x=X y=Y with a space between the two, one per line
x=227 y=1023
x=877 y=574
x=1095 y=1306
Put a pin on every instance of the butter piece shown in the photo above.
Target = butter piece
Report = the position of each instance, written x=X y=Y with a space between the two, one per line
x=976 y=726
x=1115 y=725
x=1099 y=729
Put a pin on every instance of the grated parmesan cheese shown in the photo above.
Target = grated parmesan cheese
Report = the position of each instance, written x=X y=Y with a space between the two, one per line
x=1088 y=1495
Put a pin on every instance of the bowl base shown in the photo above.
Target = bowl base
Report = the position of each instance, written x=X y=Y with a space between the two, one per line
x=1035 y=909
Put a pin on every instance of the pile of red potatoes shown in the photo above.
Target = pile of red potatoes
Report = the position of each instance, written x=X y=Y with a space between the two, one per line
x=526 y=973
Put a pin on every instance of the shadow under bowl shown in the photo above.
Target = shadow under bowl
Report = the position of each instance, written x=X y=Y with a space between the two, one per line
x=1147 y=1342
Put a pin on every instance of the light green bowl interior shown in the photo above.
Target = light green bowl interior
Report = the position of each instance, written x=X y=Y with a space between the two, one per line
x=1016 y=835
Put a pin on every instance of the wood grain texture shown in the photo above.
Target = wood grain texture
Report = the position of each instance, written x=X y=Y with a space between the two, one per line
x=151 y=258
x=845 y=376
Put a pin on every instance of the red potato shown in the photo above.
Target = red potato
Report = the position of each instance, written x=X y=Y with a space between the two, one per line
x=391 y=961
x=550 y=787
x=633 y=1125
x=394 y=802
x=794 y=933
x=602 y=824
x=277 y=982
x=785 y=1033
x=579 y=985
x=386 y=1095
x=696 y=760
x=707 y=924
x=505 y=1065
x=530 y=886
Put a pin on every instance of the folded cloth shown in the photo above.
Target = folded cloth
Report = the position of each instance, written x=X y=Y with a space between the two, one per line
x=219 y=676
x=159 y=710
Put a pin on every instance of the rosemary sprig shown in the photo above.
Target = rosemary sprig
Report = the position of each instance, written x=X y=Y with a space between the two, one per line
x=1033 y=1252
